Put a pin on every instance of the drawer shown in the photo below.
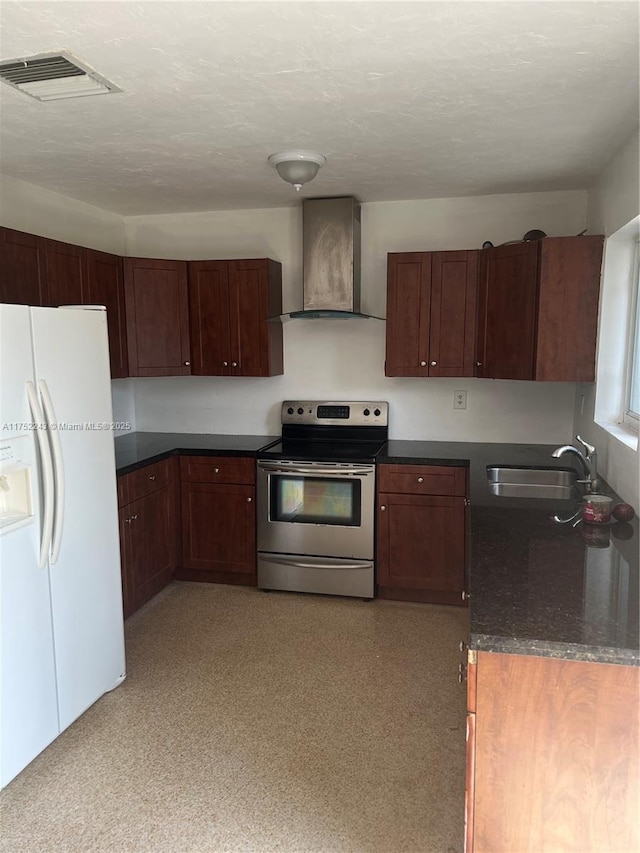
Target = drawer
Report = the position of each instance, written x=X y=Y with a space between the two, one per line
x=218 y=469
x=145 y=480
x=422 y=480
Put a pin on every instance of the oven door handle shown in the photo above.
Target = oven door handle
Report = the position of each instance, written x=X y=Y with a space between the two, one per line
x=317 y=562
x=320 y=472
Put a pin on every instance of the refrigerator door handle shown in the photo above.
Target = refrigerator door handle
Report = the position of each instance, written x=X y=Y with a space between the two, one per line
x=58 y=470
x=47 y=474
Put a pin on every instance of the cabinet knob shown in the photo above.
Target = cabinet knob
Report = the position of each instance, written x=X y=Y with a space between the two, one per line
x=478 y=364
x=463 y=646
x=382 y=508
x=249 y=500
x=225 y=364
x=134 y=517
x=234 y=364
x=127 y=521
x=433 y=363
x=216 y=470
x=462 y=673
x=421 y=479
x=152 y=476
x=423 y=364
x=187 y=364
x=465 y=595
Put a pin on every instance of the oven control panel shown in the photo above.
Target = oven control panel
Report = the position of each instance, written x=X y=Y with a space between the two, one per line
x=332 y=413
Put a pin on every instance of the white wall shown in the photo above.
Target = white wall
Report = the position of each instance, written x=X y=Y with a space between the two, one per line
x=344 y=359
x=613 y=201
x=26 y=207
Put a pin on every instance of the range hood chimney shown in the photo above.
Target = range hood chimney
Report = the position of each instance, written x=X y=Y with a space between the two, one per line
x=331 y=259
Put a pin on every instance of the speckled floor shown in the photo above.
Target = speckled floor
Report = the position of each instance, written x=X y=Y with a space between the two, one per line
x=260 y=722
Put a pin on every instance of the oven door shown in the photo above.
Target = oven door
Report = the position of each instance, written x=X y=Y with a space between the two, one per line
x=320 y=508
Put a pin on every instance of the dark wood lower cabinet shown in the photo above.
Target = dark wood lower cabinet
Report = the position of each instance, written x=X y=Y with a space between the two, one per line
x=148 y=533
x=218 y=532
x=217 y=497
x=421 y=536
x=552 y=756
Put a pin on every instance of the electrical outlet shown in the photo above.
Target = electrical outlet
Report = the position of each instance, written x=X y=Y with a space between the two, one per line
x=459 y=399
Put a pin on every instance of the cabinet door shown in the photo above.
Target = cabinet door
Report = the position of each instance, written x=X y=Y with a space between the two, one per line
x=421 y=545
x=256 y=344
x=454 y=285
x=507 y=315
x=568 y=308
x=556 y=756
x=218 y=528
x=152 y=543
x=65 y=273
x=105 y=287
x=157 y=310
x=209 y=316
x=128 y=596
x=21 y=268
x=408 y=300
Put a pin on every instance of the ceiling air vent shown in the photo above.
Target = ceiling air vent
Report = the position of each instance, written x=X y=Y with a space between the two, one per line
x=53 y=76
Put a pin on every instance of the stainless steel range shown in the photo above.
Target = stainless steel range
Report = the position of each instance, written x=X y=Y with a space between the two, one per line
x=316 y=493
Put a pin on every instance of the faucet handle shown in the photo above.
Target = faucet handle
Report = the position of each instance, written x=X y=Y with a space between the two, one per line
x=588 y=447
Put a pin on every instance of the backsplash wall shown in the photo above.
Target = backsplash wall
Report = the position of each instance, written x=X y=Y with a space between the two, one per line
x=344 y=359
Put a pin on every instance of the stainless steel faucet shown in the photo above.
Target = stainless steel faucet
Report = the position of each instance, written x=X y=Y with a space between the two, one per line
x=588 y=462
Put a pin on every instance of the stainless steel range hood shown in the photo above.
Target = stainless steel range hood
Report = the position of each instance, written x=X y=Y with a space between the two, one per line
x=331 y=259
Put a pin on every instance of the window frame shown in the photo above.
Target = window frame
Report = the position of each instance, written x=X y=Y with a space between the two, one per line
x=630 y=418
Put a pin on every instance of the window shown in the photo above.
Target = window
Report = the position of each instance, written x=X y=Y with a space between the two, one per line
x=632 y=397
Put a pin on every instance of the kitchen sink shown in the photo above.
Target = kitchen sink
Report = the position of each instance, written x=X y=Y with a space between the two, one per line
x=513 y=482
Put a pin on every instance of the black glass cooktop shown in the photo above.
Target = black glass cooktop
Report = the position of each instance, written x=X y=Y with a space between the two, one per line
x=323 y=451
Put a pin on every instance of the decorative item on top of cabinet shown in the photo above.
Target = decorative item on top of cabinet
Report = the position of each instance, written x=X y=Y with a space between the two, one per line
x=538 y=309
x=22 y=268
x=218 y=519
x=431 y=313
x=149 y=524
x=230 y=303
x=552 y=755
x=157 y=313
x=422 y=537
x=105 y=287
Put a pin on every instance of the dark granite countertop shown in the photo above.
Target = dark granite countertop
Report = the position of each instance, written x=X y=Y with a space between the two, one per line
x=141 y=448
x=539 y=587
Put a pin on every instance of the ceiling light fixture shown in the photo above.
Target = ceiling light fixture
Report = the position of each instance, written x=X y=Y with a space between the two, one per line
x=297 y=167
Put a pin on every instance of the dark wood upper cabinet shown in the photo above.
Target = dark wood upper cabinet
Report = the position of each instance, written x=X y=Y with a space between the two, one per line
x=66 y=273
x=105 y=287
x=454 y=288
x=157 y=310
x=568 y=308
x=538 y=310
x=21 y=268
x=431 y=313
x=408 y=298
x=507 y=311
x=230 y=304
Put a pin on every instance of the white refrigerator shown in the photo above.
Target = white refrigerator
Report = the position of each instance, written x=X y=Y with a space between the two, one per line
x=61 y=624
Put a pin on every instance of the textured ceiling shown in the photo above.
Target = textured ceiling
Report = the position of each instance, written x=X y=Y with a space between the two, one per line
x=406 y=100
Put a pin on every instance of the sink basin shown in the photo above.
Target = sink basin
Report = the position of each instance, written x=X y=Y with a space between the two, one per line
x=514 y=482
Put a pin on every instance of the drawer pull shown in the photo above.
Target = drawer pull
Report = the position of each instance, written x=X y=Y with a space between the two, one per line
x=152 y=476
x=421 y=479
x=216 y=470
